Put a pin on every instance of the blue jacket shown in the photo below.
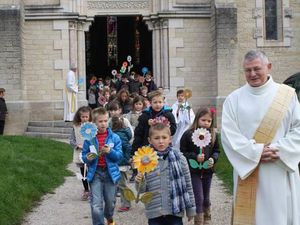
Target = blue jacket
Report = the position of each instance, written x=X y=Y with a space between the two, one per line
x=125 y=136
x=112 y=158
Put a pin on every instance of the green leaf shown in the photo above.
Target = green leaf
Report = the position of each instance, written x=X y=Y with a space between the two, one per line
x=205 y=164
x=193 y=163
x=146 y=197
x=128 y=194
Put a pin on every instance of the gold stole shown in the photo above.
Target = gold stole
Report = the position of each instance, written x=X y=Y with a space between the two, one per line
x=245 y=201
x=71 y=99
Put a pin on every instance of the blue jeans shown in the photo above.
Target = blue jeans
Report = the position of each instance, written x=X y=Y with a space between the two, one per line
x=166 y=220
x=103 y=197
x=201 y=188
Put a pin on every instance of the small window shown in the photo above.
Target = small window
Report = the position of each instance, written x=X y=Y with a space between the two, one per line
x=273 y=20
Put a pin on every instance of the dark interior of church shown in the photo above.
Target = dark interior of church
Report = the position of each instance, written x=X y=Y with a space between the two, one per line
x=111 y=39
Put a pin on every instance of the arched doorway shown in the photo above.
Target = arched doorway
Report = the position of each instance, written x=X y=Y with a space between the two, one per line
x=111 y=39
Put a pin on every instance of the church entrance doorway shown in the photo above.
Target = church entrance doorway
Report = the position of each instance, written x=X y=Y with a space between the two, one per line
x=111 y=39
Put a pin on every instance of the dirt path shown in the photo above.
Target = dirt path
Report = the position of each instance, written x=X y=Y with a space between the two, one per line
x=64 y=207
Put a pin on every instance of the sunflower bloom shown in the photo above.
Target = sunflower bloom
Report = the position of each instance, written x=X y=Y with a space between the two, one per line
x=145 y=159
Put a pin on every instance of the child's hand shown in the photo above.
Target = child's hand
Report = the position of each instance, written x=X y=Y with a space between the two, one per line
x=210 y=162
x=138 y=178
x=105 y=149
x=190 y=218
x=150 y=122
x=90 y=156
x=79 y=146
x=200 y=158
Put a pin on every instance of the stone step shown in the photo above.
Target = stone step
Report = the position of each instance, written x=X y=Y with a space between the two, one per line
x=60 y=130
x=47 y=135
x=57 y=123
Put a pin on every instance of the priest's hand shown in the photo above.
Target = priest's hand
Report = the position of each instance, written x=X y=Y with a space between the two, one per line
x=269 y=154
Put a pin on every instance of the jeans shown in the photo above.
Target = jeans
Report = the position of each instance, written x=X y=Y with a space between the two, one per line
x=103 y=197
x=201 y=188
x=166 y=220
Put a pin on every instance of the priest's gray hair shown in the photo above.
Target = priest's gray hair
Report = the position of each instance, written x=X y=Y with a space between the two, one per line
x=73 y=66
x=254 y=54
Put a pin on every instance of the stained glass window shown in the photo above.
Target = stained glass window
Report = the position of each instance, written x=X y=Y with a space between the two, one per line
x=112 y=41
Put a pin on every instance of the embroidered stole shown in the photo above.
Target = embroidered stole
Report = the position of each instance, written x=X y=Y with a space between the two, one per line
x=245 y=201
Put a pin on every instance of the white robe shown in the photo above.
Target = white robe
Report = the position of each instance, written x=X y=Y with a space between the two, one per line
x=70 y=97
x=184 y=119
x=278 y=188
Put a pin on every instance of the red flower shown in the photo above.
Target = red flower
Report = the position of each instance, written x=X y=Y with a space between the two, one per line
x=213 y=110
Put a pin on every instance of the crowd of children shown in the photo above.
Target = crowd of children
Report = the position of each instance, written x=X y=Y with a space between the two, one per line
x=127 y=114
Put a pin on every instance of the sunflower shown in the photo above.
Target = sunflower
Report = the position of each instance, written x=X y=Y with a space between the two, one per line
x=88 y=130
x=145 y=159
x=187 y=93
x=201 y=137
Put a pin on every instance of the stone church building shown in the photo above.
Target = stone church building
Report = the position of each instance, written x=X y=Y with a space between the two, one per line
x=195 y=44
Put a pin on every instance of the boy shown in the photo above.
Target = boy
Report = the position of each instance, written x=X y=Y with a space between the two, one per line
x=115 y=109
x=156 y=109
x=149 y=83
x=174 y=193
x=3 y=110
x=184 y=116
x=103 y=171
x=144 y=91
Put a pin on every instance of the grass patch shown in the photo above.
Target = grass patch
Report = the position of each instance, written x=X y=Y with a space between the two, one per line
x=224 y=169
x=30 y=168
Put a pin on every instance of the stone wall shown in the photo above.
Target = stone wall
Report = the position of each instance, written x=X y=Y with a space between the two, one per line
x=285 y=59
x=41 y=2
x=190 y=60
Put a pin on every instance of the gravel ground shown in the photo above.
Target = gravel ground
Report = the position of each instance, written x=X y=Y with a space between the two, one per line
x=64 y=207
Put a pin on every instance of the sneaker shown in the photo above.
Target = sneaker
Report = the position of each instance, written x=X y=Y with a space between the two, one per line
x=85 y=195
x=123 y=209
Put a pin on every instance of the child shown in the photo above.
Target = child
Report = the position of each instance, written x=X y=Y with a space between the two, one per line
x=3 y=110
x=133 y=116
x=156 y=109
x=103 y=173
x=144 y=91
x=115 y=109
x=82 y=115
x=149 y=83
x=201 y=179
x=170 y=182
x=137 y=108
x=118 y=127
x=184 y=116
x=92 y=96
x=124 y=100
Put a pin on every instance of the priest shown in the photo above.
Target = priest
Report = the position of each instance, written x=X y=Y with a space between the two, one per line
x=261 y=138
x=70 y=95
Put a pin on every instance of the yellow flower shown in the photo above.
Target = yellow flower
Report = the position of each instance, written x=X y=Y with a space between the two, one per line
x=187 y=93
x=145 y=159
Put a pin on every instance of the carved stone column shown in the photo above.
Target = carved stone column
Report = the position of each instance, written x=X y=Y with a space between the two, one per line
x=160 y=51
x=165 y=54
x=81 y=70
x=73 y=43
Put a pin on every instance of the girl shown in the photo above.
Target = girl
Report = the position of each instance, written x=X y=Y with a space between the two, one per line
x=133 y=116
x=170 y=182
x=201 y=178
x=137 y=108
x=82 y=115
x=124 y=100
x=119 y=128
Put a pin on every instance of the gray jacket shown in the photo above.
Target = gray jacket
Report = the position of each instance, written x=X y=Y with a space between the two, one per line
x=158 y=182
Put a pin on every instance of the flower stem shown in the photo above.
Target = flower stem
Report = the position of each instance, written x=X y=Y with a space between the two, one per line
x=139 y=191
